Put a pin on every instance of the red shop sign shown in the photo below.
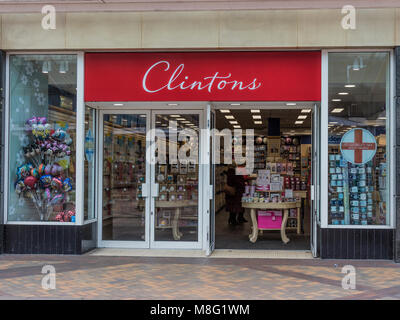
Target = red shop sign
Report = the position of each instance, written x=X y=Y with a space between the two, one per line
x=199 y=76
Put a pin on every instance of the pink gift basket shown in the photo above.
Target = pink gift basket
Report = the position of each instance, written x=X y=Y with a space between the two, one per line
x=269 y=219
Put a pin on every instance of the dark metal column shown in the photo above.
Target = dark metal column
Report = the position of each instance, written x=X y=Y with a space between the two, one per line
x=397 y=108
x=2 y=135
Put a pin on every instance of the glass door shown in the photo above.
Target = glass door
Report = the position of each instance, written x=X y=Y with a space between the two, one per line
x=176 y=176
x=124 y=184
x=315 y=185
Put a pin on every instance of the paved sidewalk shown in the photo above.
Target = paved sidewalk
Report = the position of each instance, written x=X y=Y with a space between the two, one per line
x=106 y=277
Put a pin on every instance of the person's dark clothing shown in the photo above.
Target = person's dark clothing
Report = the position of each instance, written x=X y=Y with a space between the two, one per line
x=233 y=203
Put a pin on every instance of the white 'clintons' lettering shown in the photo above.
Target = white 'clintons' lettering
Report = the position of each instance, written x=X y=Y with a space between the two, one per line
x=179 y=81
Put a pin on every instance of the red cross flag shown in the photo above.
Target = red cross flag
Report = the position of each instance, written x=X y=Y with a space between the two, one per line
x=358 y=146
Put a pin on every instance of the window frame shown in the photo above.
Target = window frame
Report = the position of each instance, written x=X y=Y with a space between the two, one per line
x=390 y=146
x=80 y=131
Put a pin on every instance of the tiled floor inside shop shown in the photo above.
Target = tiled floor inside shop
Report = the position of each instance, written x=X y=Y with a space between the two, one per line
x=237 y=236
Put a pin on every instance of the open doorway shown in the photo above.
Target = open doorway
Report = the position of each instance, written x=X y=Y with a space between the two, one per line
x=278 y=191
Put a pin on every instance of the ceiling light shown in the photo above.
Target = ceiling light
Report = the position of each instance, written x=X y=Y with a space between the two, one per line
x=302 y=117
x=336 y=100
x=175 y=116
x=224 y=111
x=233 y=122
x=256 y=117
x=186 y=121
x=255 y=111
x=118 y=104
x=173 y=104
x=343 y=93
x=235 y=104
x=382 y=118
x=358 y=64
x=63 y=67
x=337 y=110
x=229 y=117
x=46 y=67
x=305 y=110
x=237 y=127
x=350 y=85
x=257 y=122
x=181 y=119
x=298 y=122
x=143 y=116
x=290 y=104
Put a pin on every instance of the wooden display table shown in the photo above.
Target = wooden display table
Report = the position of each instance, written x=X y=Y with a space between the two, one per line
x=178 y=205
x=303 y=195
x=300 y=194
x=284 y=206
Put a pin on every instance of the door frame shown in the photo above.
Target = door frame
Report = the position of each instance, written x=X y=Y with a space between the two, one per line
x=209 y=182
x=201 y=175
x=315 y=137
x=315 y=198
x=99 y=172
x=149 y=242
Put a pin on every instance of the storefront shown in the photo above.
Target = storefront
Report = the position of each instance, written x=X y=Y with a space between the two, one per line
x=83 y=133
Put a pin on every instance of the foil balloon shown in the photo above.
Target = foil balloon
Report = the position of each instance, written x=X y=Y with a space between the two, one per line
x=57 y=199
x=68 y=140
x=35 y=173
x=32 y=121
x=22 y=172
x=45 y=181
x=41 y=169
x=56 y=183
x=67 y=185
x=42 y=120
x=47 y=169
x=19 y=187
x=30 y=182
x=47 y=194
x=56 y=170
x=59 y=135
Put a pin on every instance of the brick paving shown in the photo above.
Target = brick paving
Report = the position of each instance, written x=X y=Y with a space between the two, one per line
x=97 y=277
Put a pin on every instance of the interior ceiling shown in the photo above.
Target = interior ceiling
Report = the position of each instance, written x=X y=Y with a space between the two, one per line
x=367 y=99
x=288 y=115
x=7 y=6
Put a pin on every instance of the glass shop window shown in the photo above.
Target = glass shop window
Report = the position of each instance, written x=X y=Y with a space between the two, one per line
x=358 y=104
x=42 y=135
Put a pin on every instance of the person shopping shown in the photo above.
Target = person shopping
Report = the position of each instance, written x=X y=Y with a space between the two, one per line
x=234 y=190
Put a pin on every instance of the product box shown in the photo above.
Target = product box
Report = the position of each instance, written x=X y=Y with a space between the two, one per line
x=269 y=219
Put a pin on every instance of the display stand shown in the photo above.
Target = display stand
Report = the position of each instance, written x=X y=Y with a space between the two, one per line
x=177 y=205
x=284 y=206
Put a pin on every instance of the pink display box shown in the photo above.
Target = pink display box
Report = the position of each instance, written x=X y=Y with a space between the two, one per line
x=269 y=219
